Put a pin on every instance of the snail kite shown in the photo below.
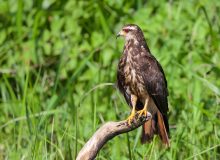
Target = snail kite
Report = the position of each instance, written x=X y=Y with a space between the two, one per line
x=141 y=80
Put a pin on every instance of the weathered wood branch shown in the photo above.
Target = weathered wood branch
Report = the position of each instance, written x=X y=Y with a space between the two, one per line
x=106 y=132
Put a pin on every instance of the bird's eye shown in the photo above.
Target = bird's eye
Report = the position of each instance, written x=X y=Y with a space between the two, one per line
x=126 y=30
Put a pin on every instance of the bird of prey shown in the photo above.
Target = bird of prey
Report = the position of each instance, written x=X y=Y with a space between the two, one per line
x=141 y=80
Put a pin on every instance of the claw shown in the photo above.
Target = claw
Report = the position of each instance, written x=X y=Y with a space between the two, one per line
x=130 y=118
x=142 y=112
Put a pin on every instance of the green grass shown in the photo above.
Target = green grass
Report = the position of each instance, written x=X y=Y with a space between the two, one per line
x=58 y=65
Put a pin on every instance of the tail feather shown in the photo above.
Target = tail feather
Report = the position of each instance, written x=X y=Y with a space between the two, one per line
x=162 y=131
x=157 y=125
x=147 y=131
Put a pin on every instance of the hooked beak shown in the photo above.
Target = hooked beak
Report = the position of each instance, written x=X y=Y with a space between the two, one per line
x=121 y=33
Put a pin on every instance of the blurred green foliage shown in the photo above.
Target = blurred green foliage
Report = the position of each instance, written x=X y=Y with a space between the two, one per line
x=58 y=63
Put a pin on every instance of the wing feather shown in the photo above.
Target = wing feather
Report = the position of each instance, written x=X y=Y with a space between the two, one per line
x=155 y=82
x=120 y=85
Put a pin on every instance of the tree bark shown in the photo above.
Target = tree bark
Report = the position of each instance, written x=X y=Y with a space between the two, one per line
x=106 y=132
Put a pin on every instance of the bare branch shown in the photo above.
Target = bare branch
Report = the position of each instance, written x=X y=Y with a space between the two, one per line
x=106 y=132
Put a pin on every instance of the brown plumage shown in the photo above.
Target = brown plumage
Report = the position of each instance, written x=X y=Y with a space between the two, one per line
x=141 y=80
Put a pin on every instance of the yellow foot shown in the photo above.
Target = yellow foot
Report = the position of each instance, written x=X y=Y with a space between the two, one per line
x=130 y=118
x=142 y=112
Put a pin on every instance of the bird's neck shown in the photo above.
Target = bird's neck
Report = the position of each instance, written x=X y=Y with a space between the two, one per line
x=137 y=43
x=131 y=43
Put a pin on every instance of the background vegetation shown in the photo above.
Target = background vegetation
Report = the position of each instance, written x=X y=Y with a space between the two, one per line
x=58 y=63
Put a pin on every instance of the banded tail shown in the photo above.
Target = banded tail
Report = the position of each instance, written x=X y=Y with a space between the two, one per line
x=157 y=125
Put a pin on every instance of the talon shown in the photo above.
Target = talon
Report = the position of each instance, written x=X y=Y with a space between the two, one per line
x=142 y=112
x=130 y=118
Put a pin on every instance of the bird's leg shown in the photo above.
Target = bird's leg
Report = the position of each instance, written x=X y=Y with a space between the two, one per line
x=133 y=103
x=144 y=110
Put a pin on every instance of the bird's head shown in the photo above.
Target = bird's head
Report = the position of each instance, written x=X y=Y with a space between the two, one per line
x=130 y=31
